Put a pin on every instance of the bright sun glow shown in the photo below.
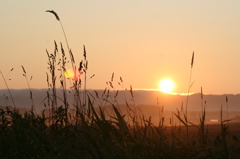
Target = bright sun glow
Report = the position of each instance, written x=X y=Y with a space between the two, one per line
x=166 y=86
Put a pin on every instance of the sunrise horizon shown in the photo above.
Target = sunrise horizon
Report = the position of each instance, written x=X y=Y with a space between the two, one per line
x=120 y=79
x=145 y=44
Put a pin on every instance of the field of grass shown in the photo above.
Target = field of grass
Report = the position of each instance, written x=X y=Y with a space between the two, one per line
x=82 y=130
x=95 y=135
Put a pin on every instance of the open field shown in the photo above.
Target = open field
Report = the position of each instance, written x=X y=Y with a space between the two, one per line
x=70 y=121
x=98 y=136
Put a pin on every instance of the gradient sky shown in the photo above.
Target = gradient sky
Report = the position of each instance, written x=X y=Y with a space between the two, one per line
x=143 y=41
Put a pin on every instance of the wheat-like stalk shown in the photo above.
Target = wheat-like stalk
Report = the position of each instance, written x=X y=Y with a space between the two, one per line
x=189 y=87
x=30 y=91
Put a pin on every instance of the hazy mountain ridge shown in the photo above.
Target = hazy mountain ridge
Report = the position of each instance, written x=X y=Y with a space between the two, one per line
x=141 y=97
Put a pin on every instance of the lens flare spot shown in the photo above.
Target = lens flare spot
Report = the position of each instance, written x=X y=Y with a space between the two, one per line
x=72 y=74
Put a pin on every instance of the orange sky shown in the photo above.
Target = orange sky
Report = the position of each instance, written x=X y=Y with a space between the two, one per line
x=142 y=41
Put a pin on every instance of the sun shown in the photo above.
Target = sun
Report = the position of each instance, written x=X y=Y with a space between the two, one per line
x=166 y=85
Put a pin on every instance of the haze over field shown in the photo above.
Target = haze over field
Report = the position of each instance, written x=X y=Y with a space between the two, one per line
x=141 y=41
x=150 y=103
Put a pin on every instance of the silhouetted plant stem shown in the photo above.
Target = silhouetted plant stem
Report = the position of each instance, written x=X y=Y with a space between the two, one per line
x=28 y=84
x=203 y=130
x=85 y=68
x=58 y=19
x=189 y=87
x=8 y=88
x=52 y=84
x=227 y=110
x=224 y=134
x=62 y=68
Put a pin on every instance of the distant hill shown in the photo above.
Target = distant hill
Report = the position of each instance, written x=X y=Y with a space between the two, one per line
x=141 y=97
x=149 y=102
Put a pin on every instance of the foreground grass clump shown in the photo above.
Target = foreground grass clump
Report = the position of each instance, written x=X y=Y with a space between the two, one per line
x=32 y=136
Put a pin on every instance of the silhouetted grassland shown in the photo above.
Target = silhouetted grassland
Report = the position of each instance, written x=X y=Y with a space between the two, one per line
x=96 y=135
x=82 y=130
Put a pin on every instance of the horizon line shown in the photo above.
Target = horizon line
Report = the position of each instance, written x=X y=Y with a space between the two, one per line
x=136 y=89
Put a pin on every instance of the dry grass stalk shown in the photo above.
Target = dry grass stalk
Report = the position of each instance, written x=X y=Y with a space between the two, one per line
x=9 y=92
x=189 y=87
x=33 y=109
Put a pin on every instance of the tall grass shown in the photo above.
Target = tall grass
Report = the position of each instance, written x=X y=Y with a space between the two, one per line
x=82 y=130
x=29 y=88
x=189 y=87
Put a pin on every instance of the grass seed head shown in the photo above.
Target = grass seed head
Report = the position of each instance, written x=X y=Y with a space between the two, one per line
x=54 y=13
x=192 y=60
